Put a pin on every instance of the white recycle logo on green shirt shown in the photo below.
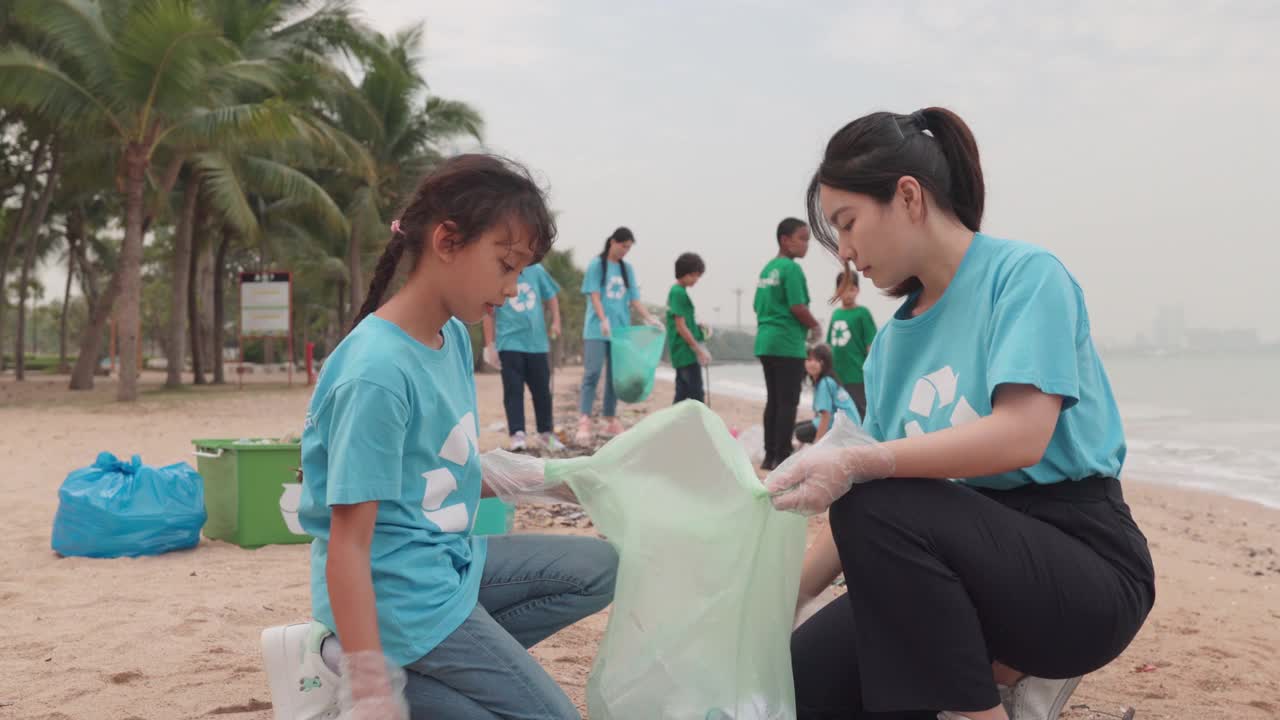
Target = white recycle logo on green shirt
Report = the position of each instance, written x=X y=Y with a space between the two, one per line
x=457 y=449
x=840 y=333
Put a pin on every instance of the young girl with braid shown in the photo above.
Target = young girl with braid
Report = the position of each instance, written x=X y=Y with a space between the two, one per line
x=415 y=616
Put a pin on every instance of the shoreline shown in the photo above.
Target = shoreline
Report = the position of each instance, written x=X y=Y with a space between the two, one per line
x=176 y=635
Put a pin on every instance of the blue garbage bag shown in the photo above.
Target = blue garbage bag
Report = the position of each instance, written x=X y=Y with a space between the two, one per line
x=115 y=508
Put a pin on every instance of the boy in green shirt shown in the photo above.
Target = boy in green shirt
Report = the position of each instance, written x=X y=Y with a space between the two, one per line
x=684 y=337
x=850 y=334
x=783 y=322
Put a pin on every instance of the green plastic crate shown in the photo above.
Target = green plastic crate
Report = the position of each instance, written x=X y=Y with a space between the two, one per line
x=252 y=497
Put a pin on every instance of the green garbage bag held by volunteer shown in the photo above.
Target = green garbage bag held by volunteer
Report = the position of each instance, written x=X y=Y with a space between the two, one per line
x=634 y=353
x=707 y=580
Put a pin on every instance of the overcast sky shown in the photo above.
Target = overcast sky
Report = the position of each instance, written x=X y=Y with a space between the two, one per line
x=1138 y=145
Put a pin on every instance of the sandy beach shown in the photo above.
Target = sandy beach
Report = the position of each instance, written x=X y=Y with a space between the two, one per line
x=176 y=636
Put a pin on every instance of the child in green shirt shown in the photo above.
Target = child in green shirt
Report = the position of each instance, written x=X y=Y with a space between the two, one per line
x=850 y=334
x=684 y=337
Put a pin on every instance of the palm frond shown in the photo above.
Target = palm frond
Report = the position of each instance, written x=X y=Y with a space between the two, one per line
x=76 y=29
x=268 y=121
x=273 y=179
x=32 y=82
x=224 y=190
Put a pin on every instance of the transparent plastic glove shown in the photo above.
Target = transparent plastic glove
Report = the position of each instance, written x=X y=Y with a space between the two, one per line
x=652 y=321
x=605 y=329
x=517 y=478
x=815 y=335
x=809 y=481
x=492 y=358
x=704 y=355
x=555 y=328
x=706 y=331
x=371 y=688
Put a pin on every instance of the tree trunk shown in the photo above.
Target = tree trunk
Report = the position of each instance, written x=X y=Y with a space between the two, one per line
x=99 y=306
x=74 y=229
x=204 y=300
x=15 y=231
x=130 y=271
x=194 y=305
x=29 y=261
x=219 y=286
x=355 y=275
x=183 y=259
x=193 y=313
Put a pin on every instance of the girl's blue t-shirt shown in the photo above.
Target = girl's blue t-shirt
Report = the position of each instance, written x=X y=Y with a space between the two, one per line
x=1011 y=315
x=830 y=397
x=393 y=421
x=521 y=323
x=616 y=296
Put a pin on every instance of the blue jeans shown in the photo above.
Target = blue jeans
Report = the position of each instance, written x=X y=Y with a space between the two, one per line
x=595 y=356
x=532 y=586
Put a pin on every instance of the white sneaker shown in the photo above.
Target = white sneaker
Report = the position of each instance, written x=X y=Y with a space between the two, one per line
x=552 y=443
x=1034 y=698
x=302 y=686
x=518 y=442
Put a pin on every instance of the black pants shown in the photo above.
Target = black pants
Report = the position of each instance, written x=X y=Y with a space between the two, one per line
x=532 y=369
x=806 y=431
x=783 y=377
x=689 y=384
x=858 y=392
x=1053 y=581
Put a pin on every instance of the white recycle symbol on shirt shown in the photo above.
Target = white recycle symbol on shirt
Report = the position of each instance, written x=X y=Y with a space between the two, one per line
x=457 y=449
x=525 y=299
x=937 y=392
x=616 y=288
x=840 y=333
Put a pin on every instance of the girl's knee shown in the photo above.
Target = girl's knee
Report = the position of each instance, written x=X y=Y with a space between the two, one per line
x=598 y=570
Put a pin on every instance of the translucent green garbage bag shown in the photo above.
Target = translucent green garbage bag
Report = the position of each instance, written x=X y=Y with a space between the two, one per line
x=709 y=572
x=635 y=352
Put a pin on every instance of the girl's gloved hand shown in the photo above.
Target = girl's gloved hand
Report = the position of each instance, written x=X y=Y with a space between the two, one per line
x=492 y=358
x=372 y=688
x=517 y=478
x=605 y=329
x=809 y=481
x=652 y=321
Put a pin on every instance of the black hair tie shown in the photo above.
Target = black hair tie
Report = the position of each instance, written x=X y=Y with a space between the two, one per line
x=921 y=122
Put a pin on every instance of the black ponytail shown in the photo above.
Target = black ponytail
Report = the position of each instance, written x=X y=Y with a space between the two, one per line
x=471 y=193
x=870 y=155
x=622 y=234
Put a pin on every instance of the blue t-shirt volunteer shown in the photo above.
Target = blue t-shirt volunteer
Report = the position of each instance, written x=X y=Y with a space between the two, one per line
x=1011 y=315
x=394 y=421
x=616 y=296
x=830 y=397
x=521 y=323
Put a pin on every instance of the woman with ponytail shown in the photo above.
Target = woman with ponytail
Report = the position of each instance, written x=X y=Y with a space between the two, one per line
x=415 y=616
x=989 y=554
x=612 y=291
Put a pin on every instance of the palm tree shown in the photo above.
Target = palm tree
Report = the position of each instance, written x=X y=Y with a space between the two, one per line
x=148 y=77
x=404 y=129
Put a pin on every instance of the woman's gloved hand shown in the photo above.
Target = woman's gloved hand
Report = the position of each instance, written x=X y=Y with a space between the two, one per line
x=372 y=688
x=809 y=481
x=517 y=478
